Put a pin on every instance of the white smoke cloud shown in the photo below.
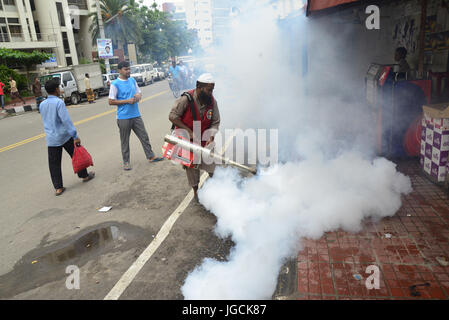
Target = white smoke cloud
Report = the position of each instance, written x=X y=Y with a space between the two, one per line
x=329 y=177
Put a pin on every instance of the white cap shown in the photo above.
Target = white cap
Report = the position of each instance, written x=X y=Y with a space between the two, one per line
x=206 y=78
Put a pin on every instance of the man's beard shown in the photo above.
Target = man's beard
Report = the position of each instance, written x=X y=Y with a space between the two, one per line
x=205 y=99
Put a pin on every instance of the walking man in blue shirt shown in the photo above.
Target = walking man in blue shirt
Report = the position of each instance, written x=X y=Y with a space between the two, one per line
x=125 y=94
x=60 y=133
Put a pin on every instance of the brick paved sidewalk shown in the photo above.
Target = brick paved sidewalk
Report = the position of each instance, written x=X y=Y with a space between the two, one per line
x=329 y=268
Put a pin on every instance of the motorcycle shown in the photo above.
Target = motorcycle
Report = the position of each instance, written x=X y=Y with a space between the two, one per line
x=173 y=86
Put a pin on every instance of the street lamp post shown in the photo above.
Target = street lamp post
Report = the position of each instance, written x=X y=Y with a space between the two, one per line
x=101 y=26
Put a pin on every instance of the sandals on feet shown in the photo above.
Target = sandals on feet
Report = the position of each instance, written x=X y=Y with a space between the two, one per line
x=89 y=177
x=61 y=192
x=156 y=159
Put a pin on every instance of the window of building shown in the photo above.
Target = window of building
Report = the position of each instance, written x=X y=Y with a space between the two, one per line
x=16 y=31
x=24 y=7
x=4 y=37
x=13 y=20
x=9 y=2
x=2 y=20
x=38 y=30
x=60 y=14
x=33 y=7
x=69 y=61
x=65 y=42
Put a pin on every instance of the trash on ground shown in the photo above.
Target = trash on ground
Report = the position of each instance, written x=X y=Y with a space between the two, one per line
x=442 y=261
x=105 y=209
x=357 y=276
x=388 y=235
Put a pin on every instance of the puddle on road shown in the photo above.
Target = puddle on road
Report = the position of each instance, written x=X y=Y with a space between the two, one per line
x=87 y=243
x=48 y=263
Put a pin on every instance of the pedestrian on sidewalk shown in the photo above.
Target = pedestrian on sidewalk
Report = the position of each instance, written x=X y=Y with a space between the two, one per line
x=60 y=133
x=14 y=91
x=37 y=91
x=125 y=94
x=89 y=92
x=2 y=98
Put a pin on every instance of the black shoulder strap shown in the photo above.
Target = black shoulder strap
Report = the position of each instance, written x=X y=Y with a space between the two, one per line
x=192 y=104
x=192 y=107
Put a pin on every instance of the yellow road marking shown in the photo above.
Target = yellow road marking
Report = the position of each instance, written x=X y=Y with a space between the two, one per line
x=39 y=136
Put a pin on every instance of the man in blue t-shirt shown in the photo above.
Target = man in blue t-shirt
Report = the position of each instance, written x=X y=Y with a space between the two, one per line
x=176 y=73
x=125 y=93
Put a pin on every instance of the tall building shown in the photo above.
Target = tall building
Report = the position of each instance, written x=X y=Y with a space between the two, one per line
x=176 y=8
x=199 y=17
x=223 y=12
x=60 y=27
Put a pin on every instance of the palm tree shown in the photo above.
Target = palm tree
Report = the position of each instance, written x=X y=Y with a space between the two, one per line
x=123 y=28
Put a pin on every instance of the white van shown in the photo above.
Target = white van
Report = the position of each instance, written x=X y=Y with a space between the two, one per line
x=150 y=72
x=137 y=72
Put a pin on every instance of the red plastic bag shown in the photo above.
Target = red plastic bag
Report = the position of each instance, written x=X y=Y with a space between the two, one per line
x=81 y=159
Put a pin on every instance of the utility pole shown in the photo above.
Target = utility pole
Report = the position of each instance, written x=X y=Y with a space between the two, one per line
x=101 y=26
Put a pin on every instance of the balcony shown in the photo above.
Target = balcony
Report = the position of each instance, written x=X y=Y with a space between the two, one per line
x=81 y=4
x=17 y=41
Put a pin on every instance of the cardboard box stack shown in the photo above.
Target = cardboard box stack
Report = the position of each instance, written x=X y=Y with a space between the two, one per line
x=435 y=141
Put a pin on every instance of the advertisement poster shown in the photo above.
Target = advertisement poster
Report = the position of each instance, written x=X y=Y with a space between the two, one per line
x=105 y=50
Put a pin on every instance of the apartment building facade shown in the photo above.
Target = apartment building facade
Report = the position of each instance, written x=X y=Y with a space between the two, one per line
x=199 y=17
x=196 y=13
x=60 y=27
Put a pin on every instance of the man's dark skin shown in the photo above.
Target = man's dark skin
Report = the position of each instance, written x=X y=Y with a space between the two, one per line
x=125 y=73
x=204 y=89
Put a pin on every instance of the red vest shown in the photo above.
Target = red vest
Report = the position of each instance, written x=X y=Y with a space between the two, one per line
x=206 y=118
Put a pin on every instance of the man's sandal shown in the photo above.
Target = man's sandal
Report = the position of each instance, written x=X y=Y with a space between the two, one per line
x=61 y=192
x=156 y=159
x=89 y=177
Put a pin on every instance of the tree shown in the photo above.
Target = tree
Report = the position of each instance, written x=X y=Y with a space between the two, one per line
x=123 y=28
x=163 y=37
x=156 y=36
x=11 y=57
x=14 y=57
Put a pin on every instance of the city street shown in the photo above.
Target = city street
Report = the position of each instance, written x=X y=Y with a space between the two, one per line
x=43 y=234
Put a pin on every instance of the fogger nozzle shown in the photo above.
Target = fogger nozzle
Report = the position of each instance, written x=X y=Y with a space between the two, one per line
x=200 y=150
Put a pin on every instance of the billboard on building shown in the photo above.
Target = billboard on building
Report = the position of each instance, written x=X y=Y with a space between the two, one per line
x=105 y=50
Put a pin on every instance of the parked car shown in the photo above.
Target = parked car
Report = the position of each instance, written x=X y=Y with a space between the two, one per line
x=138 y=73
x=107 y=80
x=148 y=72
x=160 y=75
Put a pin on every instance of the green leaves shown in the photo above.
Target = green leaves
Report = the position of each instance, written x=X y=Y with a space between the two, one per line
x=13 y=57
x=156 y=36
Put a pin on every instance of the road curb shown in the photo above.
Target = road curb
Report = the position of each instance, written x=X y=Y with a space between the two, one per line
x=26 y=108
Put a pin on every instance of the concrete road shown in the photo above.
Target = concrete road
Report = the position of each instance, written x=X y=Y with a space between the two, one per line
x=42 y=234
